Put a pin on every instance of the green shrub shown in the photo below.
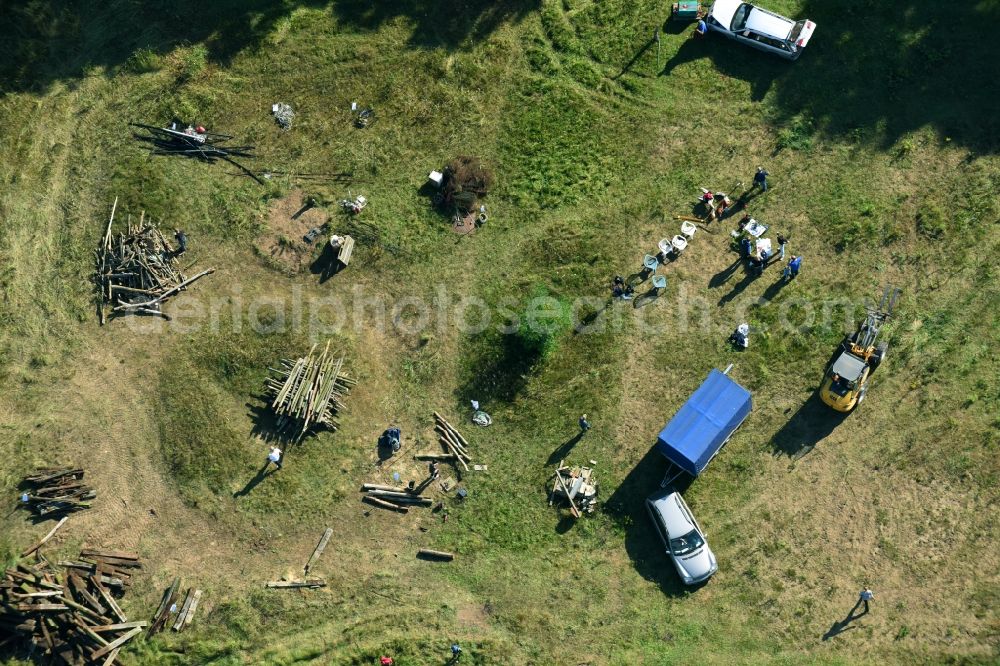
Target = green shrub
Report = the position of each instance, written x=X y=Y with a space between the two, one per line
x=930 y=221
x=194 y=61
x=143 y=61
x=543 y=323
x=797 y=135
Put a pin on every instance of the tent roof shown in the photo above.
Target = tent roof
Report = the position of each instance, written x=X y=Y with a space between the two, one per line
x=703 y=423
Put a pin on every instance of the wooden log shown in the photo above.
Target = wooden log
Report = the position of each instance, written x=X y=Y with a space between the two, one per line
x=374 y=501
x=107 y=598
x=399 y=497
x=325 y=539
x=45 y=538
x=185 y=607
x=105 y=554
x=291 y=584
x=447 y=457
x=435 y=554
x=189 y=617
x=119 y=626
x=121 y=640
x=375 y=486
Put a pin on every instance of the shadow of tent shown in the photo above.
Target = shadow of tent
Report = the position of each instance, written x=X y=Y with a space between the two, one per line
x=627 y=506
x=812 y=423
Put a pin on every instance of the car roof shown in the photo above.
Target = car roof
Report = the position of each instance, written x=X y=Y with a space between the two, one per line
x=723 y=10
x=769 y=24
x=849 y=366
x=673 y=517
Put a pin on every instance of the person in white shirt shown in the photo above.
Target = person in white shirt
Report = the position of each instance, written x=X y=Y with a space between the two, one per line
x=274 y=457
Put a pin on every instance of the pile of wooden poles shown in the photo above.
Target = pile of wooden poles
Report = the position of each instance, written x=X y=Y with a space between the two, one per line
x=168 y=605
x=137 y=269
x=393 y=498
x=306 y=393
x=71 y=617
x=452 y=441
x=54 y=491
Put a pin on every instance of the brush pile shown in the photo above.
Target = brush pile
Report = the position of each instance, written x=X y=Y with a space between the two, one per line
x=465 y=181
x=56 y=491
x=137 y=269
x=70 y=616
x=307 y=393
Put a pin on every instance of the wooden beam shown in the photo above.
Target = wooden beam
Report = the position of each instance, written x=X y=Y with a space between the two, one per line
x=436 y=554
x=189 y=617
x=290 y=584
x=319 y=548
x=121 y=640
x=374 y=501
x=45 y=538
x=119 y=626
x=572 y=506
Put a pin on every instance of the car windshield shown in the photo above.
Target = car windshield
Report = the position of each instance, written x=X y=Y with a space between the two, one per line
x=796 y=31
x=688 y=543
x=740 y=17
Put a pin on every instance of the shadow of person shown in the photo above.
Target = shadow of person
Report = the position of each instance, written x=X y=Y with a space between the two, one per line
x=254 y=482
x=775 y=288
x=563 y=449
x=590 y=318
x=740 y=286
x=723 y=276
x=838 y=627
x=645 y=299
x=635 y=58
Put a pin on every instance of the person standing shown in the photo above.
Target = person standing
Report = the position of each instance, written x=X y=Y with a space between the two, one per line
x=274 y=457
x=782 y=242
x=433 y=470
x=701 y=29
x=456 y=653
x=182 y=242
x=793 y=267
x=866 y=596
x=584 y=424
x=760 y=179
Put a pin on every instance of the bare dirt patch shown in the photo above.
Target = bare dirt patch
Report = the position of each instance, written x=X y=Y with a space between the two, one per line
x=288 y=221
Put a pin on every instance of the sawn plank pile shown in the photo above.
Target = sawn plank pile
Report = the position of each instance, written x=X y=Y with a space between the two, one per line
x=307 y=393
x=54 y=491
x=70 y=615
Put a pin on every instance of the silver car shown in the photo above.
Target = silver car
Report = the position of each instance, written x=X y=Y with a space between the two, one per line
x=683 y=537
x=760 y=28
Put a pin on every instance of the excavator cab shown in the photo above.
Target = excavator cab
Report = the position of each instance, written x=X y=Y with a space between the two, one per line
x=849 y=373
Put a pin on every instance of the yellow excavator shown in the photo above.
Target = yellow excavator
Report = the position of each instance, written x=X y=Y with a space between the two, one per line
x=849 y=373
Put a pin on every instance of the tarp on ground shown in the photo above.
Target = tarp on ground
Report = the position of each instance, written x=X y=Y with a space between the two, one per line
x=704 y=423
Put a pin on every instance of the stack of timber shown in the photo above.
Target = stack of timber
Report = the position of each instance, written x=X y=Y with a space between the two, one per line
x=452 y=441
x=113 y=569
x=137 y=269
x=54 y=491
x=70 y=617
x=392 y=498
x=307 y=393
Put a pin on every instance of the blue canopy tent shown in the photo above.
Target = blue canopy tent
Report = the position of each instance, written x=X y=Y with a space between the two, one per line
x=703 y=424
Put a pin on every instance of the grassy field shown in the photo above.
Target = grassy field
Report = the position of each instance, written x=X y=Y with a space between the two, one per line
x=882 y=147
